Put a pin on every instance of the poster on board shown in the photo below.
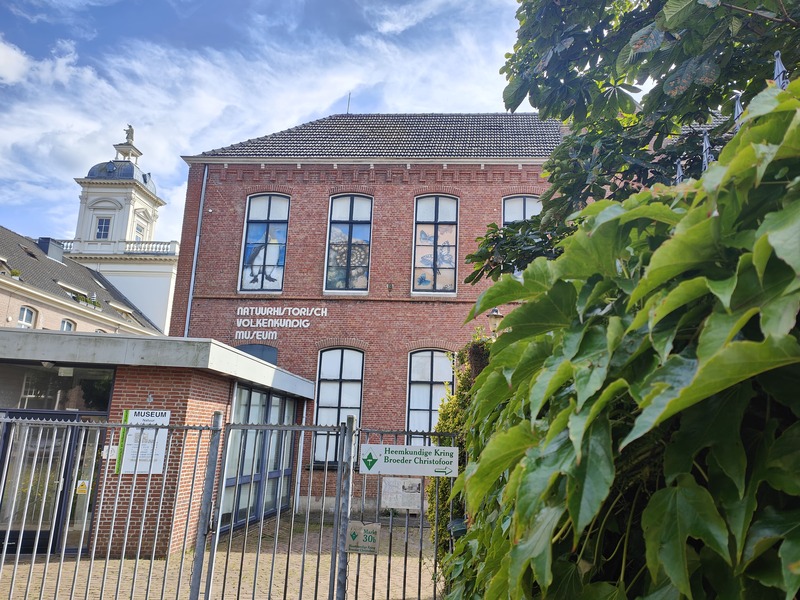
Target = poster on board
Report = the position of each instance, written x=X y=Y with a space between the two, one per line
x=142 y=450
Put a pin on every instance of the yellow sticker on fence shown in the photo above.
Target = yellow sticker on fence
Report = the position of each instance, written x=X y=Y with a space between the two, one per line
x=82 y=488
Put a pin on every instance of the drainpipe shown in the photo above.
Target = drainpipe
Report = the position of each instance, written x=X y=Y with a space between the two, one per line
x=196 y=251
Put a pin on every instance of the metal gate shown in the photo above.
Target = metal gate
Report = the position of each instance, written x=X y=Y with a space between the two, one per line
x=244 y=511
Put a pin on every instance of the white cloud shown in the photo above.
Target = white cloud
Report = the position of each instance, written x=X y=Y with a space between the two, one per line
x=14 y=64
x=64 y=112
x=393 y=18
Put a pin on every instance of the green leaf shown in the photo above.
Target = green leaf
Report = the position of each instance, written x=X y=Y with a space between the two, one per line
x=578 y=422
x=514 y=93
x=716 y=424
x=671 y=517
x=550 y=379
x=675 y=11
x=732 y=364
x=501 y=453
x=686 y=250
x=588 y=253
x=546 y=313
x=534 y=548
x=770 y=527
x=781 y=229
x=590 y=480
x=707 y=73
x=790 y=561
x=603 y=590
x=559 y=424
x=591 y=364
x=647 y=39
x=779 y=316
x=783 y=463
x=541 y=473
x=682 y=294
x=681 y=78
x=719 y=329
x=536 y=281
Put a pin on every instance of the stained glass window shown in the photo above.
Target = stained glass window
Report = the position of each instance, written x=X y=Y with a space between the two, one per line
x=348 y=243
x=264 y=254
x=435 y=244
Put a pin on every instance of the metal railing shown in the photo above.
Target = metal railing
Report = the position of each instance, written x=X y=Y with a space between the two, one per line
x=104 y=510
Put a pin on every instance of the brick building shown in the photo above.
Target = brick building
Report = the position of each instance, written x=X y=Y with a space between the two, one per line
x=336 y=249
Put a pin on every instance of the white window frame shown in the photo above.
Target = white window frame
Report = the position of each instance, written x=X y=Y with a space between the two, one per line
x=246 y=270
x=27 y=317
x=350 y=222
x=97 y=220
x=527 y=199
x=431 y=383
x=437 y=223
x=321 y=453
x=68 y=325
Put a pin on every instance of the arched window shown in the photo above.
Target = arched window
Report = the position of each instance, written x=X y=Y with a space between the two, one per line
x=435 y=244
x=27 y=318
x=430 y=373
x=349 y=237
x=264 y=252
x=67 y=325
x=339 y=384
x=520 y=208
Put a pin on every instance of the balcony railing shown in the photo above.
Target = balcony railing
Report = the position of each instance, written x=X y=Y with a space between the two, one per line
x=120 y=247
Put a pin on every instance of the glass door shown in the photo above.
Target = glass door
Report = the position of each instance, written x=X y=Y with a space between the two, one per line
x=35 y=467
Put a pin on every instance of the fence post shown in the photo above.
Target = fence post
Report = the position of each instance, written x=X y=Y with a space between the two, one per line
x=204 y=519
x=344 y=508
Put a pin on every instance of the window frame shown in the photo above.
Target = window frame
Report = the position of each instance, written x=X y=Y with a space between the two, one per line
x=431 y=383
x=97 y=228
x=526 y=198
x=435 y=266
x=68 y=322
x=350 y=223
x=282 y=247
x=31 y=312
x=262 y=443
x=328 y=439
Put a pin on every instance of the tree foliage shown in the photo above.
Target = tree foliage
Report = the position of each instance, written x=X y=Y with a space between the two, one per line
x=584 y=61
x=468 y=363
x=637 y=426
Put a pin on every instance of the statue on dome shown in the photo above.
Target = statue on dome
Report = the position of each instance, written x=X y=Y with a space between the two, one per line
x=129 y=134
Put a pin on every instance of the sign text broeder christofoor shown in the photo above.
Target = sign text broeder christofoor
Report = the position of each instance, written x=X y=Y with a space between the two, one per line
x=430 y=461
x=262 y=322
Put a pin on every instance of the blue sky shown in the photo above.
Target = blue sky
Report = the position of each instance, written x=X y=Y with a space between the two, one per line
x=192 y=75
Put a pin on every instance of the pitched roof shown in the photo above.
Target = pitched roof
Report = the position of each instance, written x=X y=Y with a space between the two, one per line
x=406 y=136
x=40 y=271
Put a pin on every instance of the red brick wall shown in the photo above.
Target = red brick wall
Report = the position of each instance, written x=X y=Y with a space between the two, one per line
x=192 y=397
x=386 y=324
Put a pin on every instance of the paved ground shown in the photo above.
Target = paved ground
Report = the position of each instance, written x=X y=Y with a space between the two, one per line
x=251 y=564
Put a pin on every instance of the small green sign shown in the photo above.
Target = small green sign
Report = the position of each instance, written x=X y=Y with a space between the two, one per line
x=370 y=461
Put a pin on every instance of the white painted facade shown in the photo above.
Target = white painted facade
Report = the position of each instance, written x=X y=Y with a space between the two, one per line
x=115 y=234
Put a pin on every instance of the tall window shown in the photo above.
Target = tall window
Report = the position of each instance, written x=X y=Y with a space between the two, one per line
x=341 y=372
x=264 y=252
x=520 y=208
x=140 y=231
x=67 y=325
x=258 y=466
x=103 y=228
x=27 y=318
x=348 y=243
x=428 y=372
x=435 y=246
